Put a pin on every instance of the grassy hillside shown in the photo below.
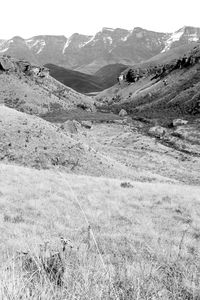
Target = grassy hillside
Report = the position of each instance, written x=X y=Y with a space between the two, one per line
x=109 y=74
x=30 y=93
x=81 y=82
x=31 y=141
x=100 y=210
x=170 y=55
x=85 y=83
x=166 y=90
x=128 y=240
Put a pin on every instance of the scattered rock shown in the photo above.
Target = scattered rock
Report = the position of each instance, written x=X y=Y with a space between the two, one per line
x=6 y=64
x=178 y=135
x=77 y=124
x=157 y=131
x=110 y=101
x=127 y=120
x=121 y=122
x=87 y=124
x=69 y=127
x=179 y=122
x=22 y=66
x=126 y=185
x=123 y=113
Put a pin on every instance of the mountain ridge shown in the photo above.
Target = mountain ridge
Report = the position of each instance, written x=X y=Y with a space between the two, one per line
x=87 y=53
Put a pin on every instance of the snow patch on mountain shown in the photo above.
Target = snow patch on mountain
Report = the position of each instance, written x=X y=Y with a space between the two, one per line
x=36 y=45
x=66 y=45
x=108 y=39
x=125 y=38
x=91 y=40
x=190 y=33
x=193 y=37
x=174 y=37
x=4 y=45
x=42 y=45
x=4 y=50
x=108 y=29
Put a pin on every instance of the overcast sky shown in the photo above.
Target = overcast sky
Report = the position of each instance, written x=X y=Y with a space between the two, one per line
x=27 y=18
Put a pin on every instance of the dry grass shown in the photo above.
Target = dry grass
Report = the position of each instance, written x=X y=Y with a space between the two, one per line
x=146 y=237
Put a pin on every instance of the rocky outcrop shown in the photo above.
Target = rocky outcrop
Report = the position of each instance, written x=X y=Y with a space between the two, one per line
x=123 y=113
x=70 y=127
x=159 y=71
x=8 y=64
x=179 y=122
x=87 y=124
x=157 y=131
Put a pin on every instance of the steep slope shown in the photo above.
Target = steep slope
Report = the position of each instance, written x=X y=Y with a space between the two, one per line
x=81 y=82
x=47 y=48
x=183 y=36
x=17 y=48
x=161 y=91
x=168 y=56
x=119 y=46
x=30 y=89
x=109 y=74
x=85 y=83
x=88 y=54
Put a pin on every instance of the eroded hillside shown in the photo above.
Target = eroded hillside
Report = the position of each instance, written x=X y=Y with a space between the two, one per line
x=30 y=89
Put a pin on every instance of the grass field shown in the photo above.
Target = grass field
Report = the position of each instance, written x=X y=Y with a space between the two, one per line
x=129 y=240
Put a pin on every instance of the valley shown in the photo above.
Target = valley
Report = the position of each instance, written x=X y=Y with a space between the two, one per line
x=99 y=194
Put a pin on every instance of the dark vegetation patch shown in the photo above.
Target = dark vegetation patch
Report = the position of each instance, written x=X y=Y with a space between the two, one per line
x=61 y=116
x=86 y=83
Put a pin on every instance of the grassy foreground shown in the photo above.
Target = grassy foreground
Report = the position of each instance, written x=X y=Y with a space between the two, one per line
x=123 y=240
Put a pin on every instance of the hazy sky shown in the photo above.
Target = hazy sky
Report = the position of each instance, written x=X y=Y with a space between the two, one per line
x=64 y=17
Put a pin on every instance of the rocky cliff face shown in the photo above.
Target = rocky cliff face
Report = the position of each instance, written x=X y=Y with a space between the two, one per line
x=90 y=53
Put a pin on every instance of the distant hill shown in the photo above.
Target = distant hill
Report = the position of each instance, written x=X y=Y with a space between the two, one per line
x=81 y=82
x=108 y=74
x=85 y=83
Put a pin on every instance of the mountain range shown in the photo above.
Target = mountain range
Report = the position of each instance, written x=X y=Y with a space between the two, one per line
x=88 y=54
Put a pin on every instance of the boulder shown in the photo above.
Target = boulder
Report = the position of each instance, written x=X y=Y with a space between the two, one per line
x=77 y=124
x=110 y=101
x=123 y=113
x=6 y=64
x=179 y=122
x=87 y=124
x=120 y=122
x=127 y=120
x=69 y=127
x=157 y=131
